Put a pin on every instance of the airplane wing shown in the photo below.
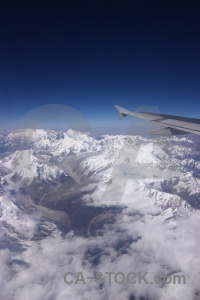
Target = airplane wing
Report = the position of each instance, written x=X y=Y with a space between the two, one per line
x=171 y=125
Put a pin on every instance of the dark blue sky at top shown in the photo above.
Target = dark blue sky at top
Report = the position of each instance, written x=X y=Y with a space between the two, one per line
x=92 y=56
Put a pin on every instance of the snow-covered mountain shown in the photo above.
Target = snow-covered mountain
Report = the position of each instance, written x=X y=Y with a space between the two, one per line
x=54 y=183
x=50 y=157
x=26 y=165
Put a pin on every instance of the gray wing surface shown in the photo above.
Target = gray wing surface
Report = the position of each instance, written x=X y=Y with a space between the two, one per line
x=171 y=125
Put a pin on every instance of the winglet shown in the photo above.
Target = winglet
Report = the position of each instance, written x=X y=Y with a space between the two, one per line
x=122 y=112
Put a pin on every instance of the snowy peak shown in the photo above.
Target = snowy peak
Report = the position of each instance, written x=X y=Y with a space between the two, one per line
x=49 y=140
x=151 y=153
x=25 y=165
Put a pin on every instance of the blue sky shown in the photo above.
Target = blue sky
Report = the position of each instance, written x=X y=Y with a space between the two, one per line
x=92 y=57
